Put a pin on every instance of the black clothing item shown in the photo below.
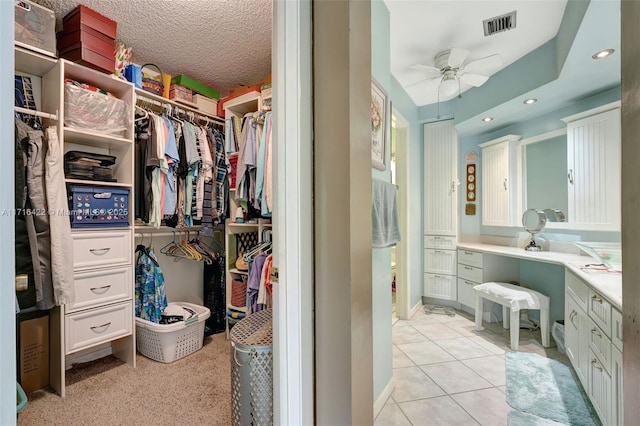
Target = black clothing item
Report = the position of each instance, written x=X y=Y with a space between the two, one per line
x=214 y=296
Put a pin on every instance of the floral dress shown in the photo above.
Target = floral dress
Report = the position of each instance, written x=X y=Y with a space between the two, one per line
x=151 y=299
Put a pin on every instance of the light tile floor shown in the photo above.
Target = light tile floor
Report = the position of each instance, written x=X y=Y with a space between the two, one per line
x=448 y=374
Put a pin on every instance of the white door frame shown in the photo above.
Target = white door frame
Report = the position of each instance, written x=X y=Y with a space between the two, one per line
x=403 y=281
x=293 y=328
x=7 y=250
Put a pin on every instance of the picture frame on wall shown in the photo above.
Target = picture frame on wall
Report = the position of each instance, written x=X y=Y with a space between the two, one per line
x=380 y=115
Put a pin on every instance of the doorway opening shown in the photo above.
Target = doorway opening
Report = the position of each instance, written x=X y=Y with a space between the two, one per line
x=400 y=283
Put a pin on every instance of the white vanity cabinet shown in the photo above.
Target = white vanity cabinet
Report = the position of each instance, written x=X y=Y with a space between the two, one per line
x=593 y=168
x=440 y=210
x=499 y=182
x=475 y=268
x=590 y=324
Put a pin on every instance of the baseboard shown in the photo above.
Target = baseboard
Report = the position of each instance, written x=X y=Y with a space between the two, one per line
x=415 y=309
x=88 y=355
x=384 y=397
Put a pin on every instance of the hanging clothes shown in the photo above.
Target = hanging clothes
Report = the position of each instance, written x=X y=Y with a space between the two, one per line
x=253 y=286
x=42 y=208
x=214 y=296
x=59 y=225
x=150 y=296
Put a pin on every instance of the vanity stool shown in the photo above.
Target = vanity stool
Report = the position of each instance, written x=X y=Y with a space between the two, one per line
x=513 y=298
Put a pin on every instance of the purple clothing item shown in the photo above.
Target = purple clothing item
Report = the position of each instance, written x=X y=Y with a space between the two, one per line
x=255 y=271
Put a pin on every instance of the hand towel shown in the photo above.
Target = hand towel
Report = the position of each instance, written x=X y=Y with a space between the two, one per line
x=384 y=214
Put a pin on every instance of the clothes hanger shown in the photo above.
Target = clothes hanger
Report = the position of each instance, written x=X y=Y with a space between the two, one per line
x=145 y=114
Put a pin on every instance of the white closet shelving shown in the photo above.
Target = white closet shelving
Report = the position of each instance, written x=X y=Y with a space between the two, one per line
x=238 y=107
x=101 y=319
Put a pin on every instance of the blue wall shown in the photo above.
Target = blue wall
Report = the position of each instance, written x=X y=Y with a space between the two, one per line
x=545 y=123
x=381 y=261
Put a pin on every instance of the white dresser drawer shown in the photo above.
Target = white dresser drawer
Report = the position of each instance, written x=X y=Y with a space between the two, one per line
x=92 y=327
x=600 y=344
x=439 y=242
x=470 y=273
x=471 y=258
x=600 y=312
x=440 y=286
x=95 y=288
x=101 y=249
x=616 y=328
x=578 y=289
x=466 y=294
x=440 y=261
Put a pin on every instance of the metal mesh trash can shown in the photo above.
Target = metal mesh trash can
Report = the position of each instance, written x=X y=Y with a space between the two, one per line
x=252 y=370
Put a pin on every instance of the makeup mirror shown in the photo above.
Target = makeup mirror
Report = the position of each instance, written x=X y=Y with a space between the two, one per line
x=533 y=221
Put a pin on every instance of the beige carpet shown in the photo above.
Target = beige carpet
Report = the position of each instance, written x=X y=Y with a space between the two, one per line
x=195 y=390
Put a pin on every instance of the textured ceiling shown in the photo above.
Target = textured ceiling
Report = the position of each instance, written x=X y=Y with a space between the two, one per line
x=222 y=43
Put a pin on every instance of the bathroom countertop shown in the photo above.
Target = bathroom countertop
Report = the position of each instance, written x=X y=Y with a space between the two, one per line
x=607 y=283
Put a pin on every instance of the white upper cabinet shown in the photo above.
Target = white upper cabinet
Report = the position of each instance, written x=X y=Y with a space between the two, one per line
x=593 y=169
x=440 y=179
x=499 y=188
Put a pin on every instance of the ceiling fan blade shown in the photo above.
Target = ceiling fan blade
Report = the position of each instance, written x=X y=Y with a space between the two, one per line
x=430 y=71
x=493 y=61
x=422 y=81
x=457 y=57
x=474 y=80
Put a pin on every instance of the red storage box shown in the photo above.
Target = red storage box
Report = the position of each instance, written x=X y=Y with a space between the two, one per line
x=85 y=37
x=88 y=58
x=233 y=162
x=82 y=15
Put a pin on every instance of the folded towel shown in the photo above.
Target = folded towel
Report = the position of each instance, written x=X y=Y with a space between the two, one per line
x=384 y=214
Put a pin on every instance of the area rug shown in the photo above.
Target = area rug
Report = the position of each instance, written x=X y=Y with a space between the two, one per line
x=547 y=388
x=520 y=418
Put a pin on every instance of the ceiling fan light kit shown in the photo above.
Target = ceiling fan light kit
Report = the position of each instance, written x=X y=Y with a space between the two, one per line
x=452 y=71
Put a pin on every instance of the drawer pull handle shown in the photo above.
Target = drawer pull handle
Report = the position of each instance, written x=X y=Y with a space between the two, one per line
x=101 y=326
x=596 y=299
x=596 y=364
x=100 y=251
x=596 y=332
x=104 y=287
x=468 y=268
x=469 y=282
x=469 y=253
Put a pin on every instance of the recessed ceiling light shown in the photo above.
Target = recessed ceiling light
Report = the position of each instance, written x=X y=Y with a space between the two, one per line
x=603 y=53
x=529 y=101
x=487 y=119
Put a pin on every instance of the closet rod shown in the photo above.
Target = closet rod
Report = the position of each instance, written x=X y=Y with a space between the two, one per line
x=164 y=102
x=37 y=113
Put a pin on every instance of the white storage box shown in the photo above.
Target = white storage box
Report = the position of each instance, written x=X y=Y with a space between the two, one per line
x=35 y=27
x=206 y=105
x=170 y=342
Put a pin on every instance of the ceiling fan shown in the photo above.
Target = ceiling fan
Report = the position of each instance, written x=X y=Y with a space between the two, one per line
x=450 y=70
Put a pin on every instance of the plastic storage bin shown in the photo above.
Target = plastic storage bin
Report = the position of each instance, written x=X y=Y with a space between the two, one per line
x=97 y=207
x=35 y=27
x=557 y=332
x=169 y=342
x=94 y=111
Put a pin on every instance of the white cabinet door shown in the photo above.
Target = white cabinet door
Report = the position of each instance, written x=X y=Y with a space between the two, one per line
x=498 y=182
x=593 y=164
x=617 y=415
x=577 y=338
x=440 y=179
x=599 y=388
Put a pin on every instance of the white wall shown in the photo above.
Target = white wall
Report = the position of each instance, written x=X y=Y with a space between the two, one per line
x=7 y=265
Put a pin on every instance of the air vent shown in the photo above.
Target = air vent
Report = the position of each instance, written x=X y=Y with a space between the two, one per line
x=499 y=24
